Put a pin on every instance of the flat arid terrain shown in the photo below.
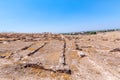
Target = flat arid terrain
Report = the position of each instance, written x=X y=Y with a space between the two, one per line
x=60 y=57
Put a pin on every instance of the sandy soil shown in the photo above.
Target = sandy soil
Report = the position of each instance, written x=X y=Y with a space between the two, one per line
x=60 y=57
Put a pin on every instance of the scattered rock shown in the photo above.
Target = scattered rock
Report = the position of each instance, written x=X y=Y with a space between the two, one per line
x=115 y=50
x=81 y=54
x=61 y=59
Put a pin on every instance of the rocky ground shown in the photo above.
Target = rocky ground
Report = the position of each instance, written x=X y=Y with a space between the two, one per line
x=60 y=57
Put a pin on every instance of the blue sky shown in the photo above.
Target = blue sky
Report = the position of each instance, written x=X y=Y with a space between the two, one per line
x=58 y=15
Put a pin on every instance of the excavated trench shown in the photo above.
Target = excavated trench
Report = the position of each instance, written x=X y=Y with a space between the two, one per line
x=25 y=48
x=64 y=63
x=59 y=70
x=20 y=50
x=64 y=50
x=37 y=49
x=63 y=57
x=48 y=61
x=14 y=52
x=41 y=66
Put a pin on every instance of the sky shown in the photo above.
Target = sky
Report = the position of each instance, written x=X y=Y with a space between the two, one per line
x=58 y=16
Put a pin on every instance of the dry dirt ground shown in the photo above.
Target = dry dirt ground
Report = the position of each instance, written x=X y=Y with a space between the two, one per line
x=58 y=57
